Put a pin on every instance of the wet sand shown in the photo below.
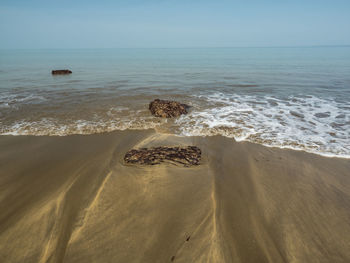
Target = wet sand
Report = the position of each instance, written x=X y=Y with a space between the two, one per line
x=72 y=199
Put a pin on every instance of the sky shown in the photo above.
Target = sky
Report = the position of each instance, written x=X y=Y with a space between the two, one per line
x=173 y=23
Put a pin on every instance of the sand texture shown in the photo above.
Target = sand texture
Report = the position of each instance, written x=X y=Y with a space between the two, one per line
x=73 y=199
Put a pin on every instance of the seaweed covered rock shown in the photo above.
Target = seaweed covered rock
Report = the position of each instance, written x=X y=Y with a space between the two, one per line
x=61 y=72
x=167 y=108
x=186 y=156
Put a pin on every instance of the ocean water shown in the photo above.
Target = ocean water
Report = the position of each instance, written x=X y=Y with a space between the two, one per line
x=295 y=98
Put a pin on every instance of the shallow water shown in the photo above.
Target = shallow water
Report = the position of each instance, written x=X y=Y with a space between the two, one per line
x=286 y=97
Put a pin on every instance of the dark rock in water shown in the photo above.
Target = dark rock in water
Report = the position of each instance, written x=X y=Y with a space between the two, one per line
x=61 y=72
x=167 y=108
x=323 y=114
x=297 y=114
x=340 y=116
x=186 y=156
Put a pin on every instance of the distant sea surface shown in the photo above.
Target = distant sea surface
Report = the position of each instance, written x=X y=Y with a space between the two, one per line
x=295 y=98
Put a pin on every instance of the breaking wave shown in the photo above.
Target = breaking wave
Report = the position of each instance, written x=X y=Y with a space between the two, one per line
x=308 y=123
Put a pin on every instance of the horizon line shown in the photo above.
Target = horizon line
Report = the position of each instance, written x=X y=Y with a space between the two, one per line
x=189 y=47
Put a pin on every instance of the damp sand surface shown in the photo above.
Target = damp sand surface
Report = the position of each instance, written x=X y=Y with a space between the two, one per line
x=73 y=199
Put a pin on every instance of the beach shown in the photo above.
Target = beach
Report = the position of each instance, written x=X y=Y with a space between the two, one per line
x=270 y=128
x=174 y=131
x=73 y=199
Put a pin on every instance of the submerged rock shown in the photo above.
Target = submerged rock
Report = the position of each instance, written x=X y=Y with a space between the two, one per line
x=297 y=114
x=186 y=156
x=167 y=108
x=323 y=115
x=61 y=72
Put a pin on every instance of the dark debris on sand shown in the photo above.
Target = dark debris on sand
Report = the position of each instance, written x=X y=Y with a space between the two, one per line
x=186 y=156
x=167 y=108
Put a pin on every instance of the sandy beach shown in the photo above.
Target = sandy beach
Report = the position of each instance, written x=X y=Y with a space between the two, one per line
x=174 y=131
x=72 y=199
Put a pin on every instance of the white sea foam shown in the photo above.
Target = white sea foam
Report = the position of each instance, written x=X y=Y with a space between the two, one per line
x=306 y=123
x=53 y=127
x=300 y=122
x=8 y=100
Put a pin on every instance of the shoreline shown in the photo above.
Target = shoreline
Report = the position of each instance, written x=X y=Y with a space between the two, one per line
x=72 y=199
x=346 y=157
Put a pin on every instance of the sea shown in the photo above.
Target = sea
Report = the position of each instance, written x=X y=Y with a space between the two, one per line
x=296 y=98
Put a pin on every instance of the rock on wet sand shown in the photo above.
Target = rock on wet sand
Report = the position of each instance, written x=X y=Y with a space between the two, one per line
x=186 y=156
x=61 y=72
x=167 y=109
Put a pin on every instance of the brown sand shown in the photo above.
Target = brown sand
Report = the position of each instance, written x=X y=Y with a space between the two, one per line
x=72 y=199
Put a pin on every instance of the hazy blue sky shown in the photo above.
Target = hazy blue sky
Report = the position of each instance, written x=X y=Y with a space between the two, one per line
x=173 y=23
